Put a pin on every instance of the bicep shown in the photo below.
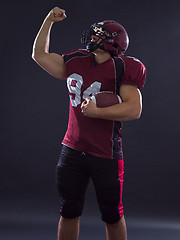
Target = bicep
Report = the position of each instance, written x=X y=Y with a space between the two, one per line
x=132 y=95
x=53 y=64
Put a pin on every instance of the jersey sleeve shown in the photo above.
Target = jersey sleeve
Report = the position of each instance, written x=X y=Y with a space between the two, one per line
x=134 y=72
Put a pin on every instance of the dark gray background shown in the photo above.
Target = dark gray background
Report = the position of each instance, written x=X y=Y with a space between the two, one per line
x=34 y=108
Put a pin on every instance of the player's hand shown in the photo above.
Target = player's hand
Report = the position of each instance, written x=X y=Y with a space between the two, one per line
x=56 y=14
x=89 y=109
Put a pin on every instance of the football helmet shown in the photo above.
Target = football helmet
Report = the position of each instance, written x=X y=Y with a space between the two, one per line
x=110 y=36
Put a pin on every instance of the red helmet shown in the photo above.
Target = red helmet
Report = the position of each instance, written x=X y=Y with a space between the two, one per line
x=112 y=37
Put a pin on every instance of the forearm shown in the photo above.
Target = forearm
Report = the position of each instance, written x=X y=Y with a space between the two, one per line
x=129 y=109
x=120 y=112
x=41 y=43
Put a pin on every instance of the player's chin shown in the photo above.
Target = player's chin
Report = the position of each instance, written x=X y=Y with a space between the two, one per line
x=99 y=50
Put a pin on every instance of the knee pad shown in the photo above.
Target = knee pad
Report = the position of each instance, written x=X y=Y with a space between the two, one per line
x=71 y=209
x=110 y=214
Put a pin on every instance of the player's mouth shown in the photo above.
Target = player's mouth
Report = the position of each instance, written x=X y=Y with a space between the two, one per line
x=94 y=38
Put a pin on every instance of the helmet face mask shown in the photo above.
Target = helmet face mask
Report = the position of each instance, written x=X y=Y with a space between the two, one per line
x=87 y=37
x=110 y=36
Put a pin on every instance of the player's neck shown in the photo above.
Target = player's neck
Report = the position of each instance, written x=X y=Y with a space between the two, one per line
x=101 y=56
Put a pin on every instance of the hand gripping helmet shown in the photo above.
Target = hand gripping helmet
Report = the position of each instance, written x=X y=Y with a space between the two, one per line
x=112 y=37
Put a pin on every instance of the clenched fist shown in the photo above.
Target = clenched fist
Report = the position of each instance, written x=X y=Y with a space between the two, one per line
x=56 y=14
x=89 y=109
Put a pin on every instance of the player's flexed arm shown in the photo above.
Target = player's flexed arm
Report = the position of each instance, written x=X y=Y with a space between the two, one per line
x=132 y=81
x=129 y=109
x=51 y=62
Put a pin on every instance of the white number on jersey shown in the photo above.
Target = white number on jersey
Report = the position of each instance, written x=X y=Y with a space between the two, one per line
x=90 y=91
x=74 y=84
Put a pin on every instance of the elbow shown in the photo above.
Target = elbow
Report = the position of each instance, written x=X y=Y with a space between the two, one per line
x=136 y=113
x=34 y=55
x=37 y=54
x=137 y=116
x=37 y=57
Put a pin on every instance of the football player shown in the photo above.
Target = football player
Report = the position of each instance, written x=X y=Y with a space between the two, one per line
x=92 y=145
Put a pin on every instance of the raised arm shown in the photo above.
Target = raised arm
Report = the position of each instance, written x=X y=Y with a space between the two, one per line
x=51 y=62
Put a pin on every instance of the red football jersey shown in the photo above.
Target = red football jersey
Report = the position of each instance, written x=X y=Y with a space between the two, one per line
x=99 y=137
